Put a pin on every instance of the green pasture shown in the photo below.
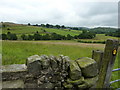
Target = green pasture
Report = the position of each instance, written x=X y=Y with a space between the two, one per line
x=21 y=29
x=100 y=37
x=24 y=29
x=16 y=52
x=63 y=32
x=103 y=37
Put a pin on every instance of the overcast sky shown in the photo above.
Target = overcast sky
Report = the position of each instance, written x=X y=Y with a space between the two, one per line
x=62 y=12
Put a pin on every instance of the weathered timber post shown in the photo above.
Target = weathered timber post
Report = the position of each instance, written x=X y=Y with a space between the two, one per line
x=97 y=55
x=107 y=63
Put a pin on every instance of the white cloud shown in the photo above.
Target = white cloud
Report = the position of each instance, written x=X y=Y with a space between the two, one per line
x=67 y=12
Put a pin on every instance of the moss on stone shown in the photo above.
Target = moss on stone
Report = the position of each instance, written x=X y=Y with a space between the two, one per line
x=75 y=71
x=85 y=61
x=91 y=81
x=88 y=66
x=76 y=82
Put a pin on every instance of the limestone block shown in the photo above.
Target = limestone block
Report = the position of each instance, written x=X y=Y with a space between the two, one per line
x=13 y=72
x=45 y=61
x=88 y=66
x=53 y=64
x=75 y=71
x=65 y=62
x=13 y=84
x=13 y=68
x=32 y=59
x=34 y=65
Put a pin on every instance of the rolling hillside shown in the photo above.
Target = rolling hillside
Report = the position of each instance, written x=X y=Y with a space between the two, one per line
x=25 y=29
x=20 y=29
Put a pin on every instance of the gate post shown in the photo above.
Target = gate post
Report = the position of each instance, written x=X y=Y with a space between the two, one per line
x=108 y=60
x=97 y=55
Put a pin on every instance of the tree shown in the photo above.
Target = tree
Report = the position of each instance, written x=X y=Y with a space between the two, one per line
x=57 y=26
x=37 y=36
x=4 y=37
x=42 y=25
x=46 y=37
x=63 y=26
x=24 y=37
x=47 y=25
x=69 y=37
x=11 y=36
x=44 y=31
x=29 y=24
x=3 y=25
x=30 y=37
x=8 y=29
x=84 y=31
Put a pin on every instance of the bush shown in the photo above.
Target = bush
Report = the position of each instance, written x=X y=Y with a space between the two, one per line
x=102 y=42
x=37 y=36
x=4 y=37
x=24 y=37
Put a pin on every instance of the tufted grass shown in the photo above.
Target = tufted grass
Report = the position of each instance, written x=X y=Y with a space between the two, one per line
x=17 y=52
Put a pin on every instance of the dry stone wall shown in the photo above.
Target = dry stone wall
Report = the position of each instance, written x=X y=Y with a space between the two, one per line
x=52 y=72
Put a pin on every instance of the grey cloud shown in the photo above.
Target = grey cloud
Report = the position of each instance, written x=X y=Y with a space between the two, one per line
x=67 y=12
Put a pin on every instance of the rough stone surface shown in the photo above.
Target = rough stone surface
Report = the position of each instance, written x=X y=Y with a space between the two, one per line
x=13 y=84
x=88 y=66
x=13 y=72
x=13 y=68
x=32 y=59
x=91 y=81
x=75 y=71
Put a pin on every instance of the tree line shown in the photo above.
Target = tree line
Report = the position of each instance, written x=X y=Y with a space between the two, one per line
x=49 y=26
x=115 y=34
x=52 y=36
x=58 y=26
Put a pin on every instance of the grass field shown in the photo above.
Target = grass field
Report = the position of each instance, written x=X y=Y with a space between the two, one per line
x=100 y=37
x=16 y=52
x=24 y=29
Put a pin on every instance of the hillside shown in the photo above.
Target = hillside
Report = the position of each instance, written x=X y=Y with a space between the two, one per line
x=20 y=29
x=25 y=29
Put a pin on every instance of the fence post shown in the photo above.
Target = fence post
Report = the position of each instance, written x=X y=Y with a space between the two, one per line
x=97 y=56
x=107 y=63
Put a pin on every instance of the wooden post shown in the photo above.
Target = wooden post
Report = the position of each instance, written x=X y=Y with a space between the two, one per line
x=107 y=63
x=97 y=56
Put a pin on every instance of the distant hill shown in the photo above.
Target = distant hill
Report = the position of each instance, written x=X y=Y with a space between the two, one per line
x=29 y=29
x=103 y=30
